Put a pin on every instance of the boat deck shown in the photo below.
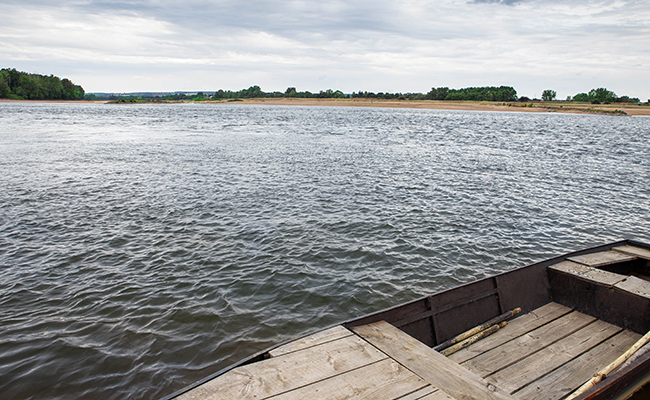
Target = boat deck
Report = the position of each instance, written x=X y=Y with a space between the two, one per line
x=544 y=354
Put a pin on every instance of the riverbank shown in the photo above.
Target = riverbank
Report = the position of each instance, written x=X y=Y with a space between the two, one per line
x=532 y=106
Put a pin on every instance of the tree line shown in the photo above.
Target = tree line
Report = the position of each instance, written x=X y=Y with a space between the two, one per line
x=487 y=93
x=19 y=85
x=594 y=96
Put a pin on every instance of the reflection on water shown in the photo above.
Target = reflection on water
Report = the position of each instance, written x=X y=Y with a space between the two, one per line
x=144 y=247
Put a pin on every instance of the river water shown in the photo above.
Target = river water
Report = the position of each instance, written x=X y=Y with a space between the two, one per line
x=143 y=247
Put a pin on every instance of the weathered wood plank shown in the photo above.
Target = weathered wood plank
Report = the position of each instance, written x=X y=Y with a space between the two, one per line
x=517 y=327
x=438 y=395
x=317 y=338
x=432 y=366
x=636 y=286
x=572 y=375
x=382 y=380
x=418 y=394
x=601 y=258
x=633 y=250
x=516 y=349
x=557 y=354
x=587 y=273
x=280 y=374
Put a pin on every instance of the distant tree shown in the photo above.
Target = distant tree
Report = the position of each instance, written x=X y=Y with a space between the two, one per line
x=628 y=99
x=290 y=92
x=440 y=93
x=549 y=95
x=603 y=95
x=581 y=97
x=524 y=99
x=597 y=96
x=21 y=85
x=486 y=93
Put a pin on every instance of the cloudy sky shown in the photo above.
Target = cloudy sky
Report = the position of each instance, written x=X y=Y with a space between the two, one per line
x=570 y=46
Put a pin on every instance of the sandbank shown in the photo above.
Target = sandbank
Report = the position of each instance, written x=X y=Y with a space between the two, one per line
x=533 y=106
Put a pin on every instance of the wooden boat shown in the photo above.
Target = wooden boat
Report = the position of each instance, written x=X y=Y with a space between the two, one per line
x=580 y=312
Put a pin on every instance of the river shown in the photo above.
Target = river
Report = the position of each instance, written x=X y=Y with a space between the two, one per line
x=143 y=247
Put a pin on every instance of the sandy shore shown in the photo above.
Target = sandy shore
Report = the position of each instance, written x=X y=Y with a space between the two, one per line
x=536 y=107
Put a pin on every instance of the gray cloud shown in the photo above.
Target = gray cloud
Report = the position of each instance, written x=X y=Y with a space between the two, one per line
x=506 y=2
x=371 y=45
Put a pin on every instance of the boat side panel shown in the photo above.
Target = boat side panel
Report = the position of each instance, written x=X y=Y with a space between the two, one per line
x=464 y=308
x=603 y=302
x=621 y=383
x=443 y=315
x=527 y=288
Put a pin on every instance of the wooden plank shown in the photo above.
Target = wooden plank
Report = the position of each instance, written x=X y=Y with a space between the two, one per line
x=315 y=339
x=529 y=343
x=601 y=258
x=554 y=356
x=636 y=286
x=382 y=380
x=432 y=366
x=438 y=395
x=587 y=273
x=517 y=327
x=280 y=374
x=633 y=250
x=418 y=394
x=572 y=375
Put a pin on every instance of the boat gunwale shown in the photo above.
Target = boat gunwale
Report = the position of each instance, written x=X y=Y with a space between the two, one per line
x=264 y=354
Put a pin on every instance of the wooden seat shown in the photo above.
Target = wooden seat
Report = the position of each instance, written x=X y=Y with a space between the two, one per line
x=441 y=372
x=602 y=258
x=633 y=250
x=586 y=273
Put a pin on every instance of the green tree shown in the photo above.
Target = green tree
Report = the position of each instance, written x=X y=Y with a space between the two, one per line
x=21 y=85
x=602 y=95
x=581 y=97
x=549 y=95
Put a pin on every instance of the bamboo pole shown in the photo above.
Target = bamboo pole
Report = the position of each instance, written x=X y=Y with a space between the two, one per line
x=478 y=329
x=602 y=374
x=472 y=339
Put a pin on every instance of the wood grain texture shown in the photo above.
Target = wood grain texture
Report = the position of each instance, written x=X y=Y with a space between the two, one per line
x=601 y=258
x=432 y=366
x=554 y=356
x=383 y=380
x=418 y=394
x=636 y=286
x=633 y=250
x=572 y=375
x=315 y=339
x=439 y=395
x=527 y=344
x=515 y=328
x=287 y=372
x=587 y=273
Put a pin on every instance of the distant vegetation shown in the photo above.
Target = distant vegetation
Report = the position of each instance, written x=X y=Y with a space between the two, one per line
x=549 y=95
x=602 y=95
x=19 y=85
x=488 y=93
x=485 y=93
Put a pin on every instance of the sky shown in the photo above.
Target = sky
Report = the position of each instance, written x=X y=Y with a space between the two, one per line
x=570 y=46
